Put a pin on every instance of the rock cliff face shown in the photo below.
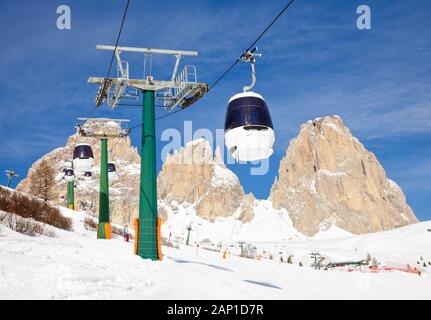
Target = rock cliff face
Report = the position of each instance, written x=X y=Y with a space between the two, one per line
x=197 y=176
x=328 y=178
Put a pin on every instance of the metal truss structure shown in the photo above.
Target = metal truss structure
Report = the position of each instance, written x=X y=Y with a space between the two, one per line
x=181 y=90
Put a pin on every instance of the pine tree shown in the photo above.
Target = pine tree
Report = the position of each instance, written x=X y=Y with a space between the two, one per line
x=42 y=181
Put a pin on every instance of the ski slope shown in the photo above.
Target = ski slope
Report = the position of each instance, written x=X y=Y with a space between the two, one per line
x=75 y=265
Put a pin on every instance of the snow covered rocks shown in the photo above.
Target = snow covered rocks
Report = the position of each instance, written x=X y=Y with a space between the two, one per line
x=328 y=178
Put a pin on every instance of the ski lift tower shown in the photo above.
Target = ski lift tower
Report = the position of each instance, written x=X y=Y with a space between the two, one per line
x=10 y=175
x=181 y=91
x=103 y=129
x=70 y=196
x=189 y=228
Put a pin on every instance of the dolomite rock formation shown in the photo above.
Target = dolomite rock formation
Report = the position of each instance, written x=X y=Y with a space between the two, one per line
x=197 y=176
x=327 y=177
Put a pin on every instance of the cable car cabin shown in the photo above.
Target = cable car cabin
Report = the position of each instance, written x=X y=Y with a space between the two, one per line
x=69 y=175
x=111 y=167
x=249 y=133
x=112 y=171
x=83 y=158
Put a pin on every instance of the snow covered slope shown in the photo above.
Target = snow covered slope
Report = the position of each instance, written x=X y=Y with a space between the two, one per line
x=268 y=224
x=77 y=266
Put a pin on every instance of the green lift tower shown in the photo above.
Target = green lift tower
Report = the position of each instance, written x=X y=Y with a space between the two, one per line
x=103 y=129
x=69 y=176
x=181 y=90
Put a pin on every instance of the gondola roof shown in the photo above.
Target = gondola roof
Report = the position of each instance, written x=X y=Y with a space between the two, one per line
x=246 y=94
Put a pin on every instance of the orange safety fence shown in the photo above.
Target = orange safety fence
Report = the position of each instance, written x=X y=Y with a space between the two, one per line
x=375 y=269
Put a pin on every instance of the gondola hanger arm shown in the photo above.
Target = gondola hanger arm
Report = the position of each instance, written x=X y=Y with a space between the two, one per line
x=249 y=56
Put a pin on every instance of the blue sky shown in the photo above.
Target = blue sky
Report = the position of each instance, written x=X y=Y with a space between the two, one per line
x=315 y=63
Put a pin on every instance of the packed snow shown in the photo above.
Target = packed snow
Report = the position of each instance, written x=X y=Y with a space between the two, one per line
x=331 y=173
x=333 y=126
x=268 y=224
x=75 y=265
x=223 y=177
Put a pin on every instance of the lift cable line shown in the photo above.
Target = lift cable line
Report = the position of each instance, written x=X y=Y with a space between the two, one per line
x=103 y=87
x=250 y=48
x=158 y=118
x=270 y=25
x=252 y=45
x=224 y=74
x=118 y=39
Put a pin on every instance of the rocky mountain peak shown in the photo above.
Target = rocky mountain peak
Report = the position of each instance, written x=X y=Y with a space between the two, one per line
x=327 y=177
x=198 y=176
x=198 y=151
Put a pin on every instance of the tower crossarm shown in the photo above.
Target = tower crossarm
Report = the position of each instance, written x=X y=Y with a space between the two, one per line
x=181 y=90
x=189 y=94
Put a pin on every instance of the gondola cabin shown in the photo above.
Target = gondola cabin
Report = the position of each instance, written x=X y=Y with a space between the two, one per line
x=83 y=158
x=69 y=175
x=111 y=167
x=249 y=133
x=112 y=171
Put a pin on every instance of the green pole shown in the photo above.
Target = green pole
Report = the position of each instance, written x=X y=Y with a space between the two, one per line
x=71 y=195
x=104 y=228
x=147 y=234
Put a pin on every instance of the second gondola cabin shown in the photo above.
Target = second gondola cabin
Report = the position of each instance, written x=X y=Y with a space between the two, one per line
x=249 y=133
x=83 y=158
x=112 y=171
x=69 y=175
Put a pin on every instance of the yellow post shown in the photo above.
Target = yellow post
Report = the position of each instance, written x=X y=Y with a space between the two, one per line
x=159 y=239
x=136 y=224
